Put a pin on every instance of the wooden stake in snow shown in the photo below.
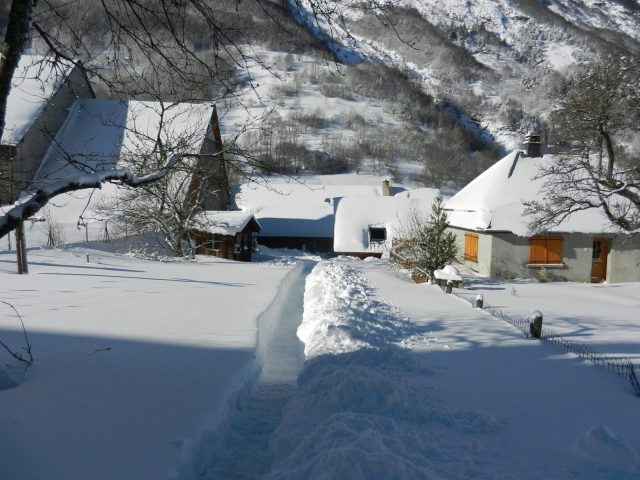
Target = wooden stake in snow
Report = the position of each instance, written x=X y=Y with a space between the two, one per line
x=535 y=325
x=479 y=301
x=449 y=287
x=21 y=249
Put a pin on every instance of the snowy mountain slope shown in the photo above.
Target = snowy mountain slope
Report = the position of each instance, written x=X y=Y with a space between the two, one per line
x=499 y=62
x=304 y=114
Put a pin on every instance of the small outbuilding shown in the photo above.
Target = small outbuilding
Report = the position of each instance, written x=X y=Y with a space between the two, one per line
x=225 y=234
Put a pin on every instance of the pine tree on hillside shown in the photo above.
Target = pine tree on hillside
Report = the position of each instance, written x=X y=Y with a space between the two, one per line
x=438 y=247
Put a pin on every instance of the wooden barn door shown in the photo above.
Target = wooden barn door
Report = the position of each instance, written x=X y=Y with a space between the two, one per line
x=599 y=260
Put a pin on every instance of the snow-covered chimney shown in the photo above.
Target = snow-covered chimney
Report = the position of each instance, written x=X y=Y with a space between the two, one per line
x=532 y=144
x=386 y=188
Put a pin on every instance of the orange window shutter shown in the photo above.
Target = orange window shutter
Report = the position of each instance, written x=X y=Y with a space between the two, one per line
x=537 y=250
x=554 y=250
x=470 y=246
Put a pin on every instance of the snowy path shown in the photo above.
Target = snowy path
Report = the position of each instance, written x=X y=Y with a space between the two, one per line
x=402 y=381
x=244 y=452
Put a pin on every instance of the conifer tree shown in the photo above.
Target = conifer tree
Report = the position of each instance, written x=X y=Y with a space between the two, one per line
x=438 y=246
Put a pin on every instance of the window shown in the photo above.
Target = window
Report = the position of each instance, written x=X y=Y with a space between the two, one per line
x=597 y=249
x=545 y=250
x=377 y=234
x=471 y=247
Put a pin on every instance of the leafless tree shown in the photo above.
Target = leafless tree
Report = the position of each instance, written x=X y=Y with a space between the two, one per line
x=599 y=114
x=154 y=50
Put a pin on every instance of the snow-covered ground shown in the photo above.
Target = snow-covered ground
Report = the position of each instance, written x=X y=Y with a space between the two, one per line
x=403 y=381
x=135 y=361
x=600 y=315
x=187 y=370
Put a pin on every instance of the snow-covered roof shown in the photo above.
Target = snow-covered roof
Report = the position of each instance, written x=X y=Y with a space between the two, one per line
x=355 y=215
x=421 y=192
x=494 y=201
x=224 y=222
x=100 y=133
x=297 y=209
x=35 y=82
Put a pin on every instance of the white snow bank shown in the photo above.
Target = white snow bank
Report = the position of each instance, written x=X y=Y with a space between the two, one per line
x=373 y=414
x=601 y=447
x=342 y=314
x=602 y=316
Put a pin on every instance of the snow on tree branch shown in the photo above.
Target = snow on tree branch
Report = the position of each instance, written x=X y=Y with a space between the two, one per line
x=34 y=202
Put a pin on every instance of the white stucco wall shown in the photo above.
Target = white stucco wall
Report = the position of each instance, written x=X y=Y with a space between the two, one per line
x=483 y=265
x=624 y=259
x=510 y=258
x=505 y=255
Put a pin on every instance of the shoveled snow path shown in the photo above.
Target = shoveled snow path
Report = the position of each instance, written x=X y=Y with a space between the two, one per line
x=402 y=381
x=244 y=452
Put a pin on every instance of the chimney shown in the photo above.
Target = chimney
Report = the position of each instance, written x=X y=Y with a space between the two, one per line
x=533 y=147
x=386 y=188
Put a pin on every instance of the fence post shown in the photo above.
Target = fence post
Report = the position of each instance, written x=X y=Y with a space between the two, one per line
x=21 y=250
x=479 y=301
x=535 y=325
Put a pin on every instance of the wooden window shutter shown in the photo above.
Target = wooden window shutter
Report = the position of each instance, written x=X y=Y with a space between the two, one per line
x=537 y=250
x=545 y=250
x=471 y=246
x=554 y=250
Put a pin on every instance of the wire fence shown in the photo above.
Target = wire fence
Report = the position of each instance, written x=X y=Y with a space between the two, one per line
x=48 y=234
x=619 y=365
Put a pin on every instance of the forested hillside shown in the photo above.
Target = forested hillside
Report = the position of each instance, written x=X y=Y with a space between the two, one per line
x=419 y=90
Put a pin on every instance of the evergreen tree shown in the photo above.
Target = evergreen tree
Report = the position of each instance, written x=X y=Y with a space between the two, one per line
x=438 y=247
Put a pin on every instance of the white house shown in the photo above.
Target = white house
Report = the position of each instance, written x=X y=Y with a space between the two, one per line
x=368 y=226
x=487 y=216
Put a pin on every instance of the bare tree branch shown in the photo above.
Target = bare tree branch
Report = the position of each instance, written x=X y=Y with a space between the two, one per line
x=18 y=356
x=39 y=199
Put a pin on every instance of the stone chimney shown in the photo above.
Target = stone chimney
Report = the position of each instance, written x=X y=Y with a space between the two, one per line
x=532 y=144
x=386 y=188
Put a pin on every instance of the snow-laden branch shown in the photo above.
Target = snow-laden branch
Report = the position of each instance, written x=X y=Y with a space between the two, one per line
x=29 y=206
